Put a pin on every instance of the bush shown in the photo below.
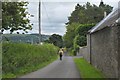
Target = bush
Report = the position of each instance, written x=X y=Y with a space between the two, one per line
x=82 y=41
x=76 y=44
x=17 y=57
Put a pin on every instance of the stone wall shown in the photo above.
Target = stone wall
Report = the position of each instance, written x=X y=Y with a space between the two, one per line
x=103 y=49
x=84 y=52
x=119 y=52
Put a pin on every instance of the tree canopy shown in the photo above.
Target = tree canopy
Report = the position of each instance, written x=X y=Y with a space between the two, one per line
x=56 y=40
x=88 y=13
x=15 y=16
x=82 y=19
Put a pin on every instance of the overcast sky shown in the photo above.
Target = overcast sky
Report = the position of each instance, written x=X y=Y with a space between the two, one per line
x=53 y=16
x=55 y=13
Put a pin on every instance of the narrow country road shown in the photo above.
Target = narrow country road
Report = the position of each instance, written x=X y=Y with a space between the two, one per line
x=58 y=69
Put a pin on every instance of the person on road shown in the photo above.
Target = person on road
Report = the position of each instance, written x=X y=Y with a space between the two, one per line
x=61 y=53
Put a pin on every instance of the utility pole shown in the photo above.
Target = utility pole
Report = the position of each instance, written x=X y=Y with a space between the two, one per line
x=40 y=36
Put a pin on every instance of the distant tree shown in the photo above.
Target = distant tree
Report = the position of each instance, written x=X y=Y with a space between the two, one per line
x=87 y=14
x=101 y=4
x=47 y=41
x=70 y=34
x=82 y=29
x=56 y=40
x=74 y=15
x=15 y=17
x=82 y=19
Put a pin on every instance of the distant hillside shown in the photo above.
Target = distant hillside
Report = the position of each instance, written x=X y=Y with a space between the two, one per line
x=44 y=37
x=27 y=38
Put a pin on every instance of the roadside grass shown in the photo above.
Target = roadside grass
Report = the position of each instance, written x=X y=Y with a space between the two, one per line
x=26 y=70
x=87 y=71
x=19 y=58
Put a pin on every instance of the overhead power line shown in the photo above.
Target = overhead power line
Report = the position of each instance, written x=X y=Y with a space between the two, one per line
x=46 y=13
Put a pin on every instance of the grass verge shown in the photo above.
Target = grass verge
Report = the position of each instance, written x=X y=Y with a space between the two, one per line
x=86 y=70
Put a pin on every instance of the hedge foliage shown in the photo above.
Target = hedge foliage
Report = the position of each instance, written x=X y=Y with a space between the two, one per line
x=19 y=57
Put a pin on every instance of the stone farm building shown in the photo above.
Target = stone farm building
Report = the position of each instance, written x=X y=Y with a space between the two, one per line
x=103 y=45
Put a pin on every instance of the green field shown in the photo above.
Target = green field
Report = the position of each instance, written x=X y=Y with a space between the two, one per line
x=19 y=58
x=86 y=70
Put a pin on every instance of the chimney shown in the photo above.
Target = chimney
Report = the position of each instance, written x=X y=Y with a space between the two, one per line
x=105 y=14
